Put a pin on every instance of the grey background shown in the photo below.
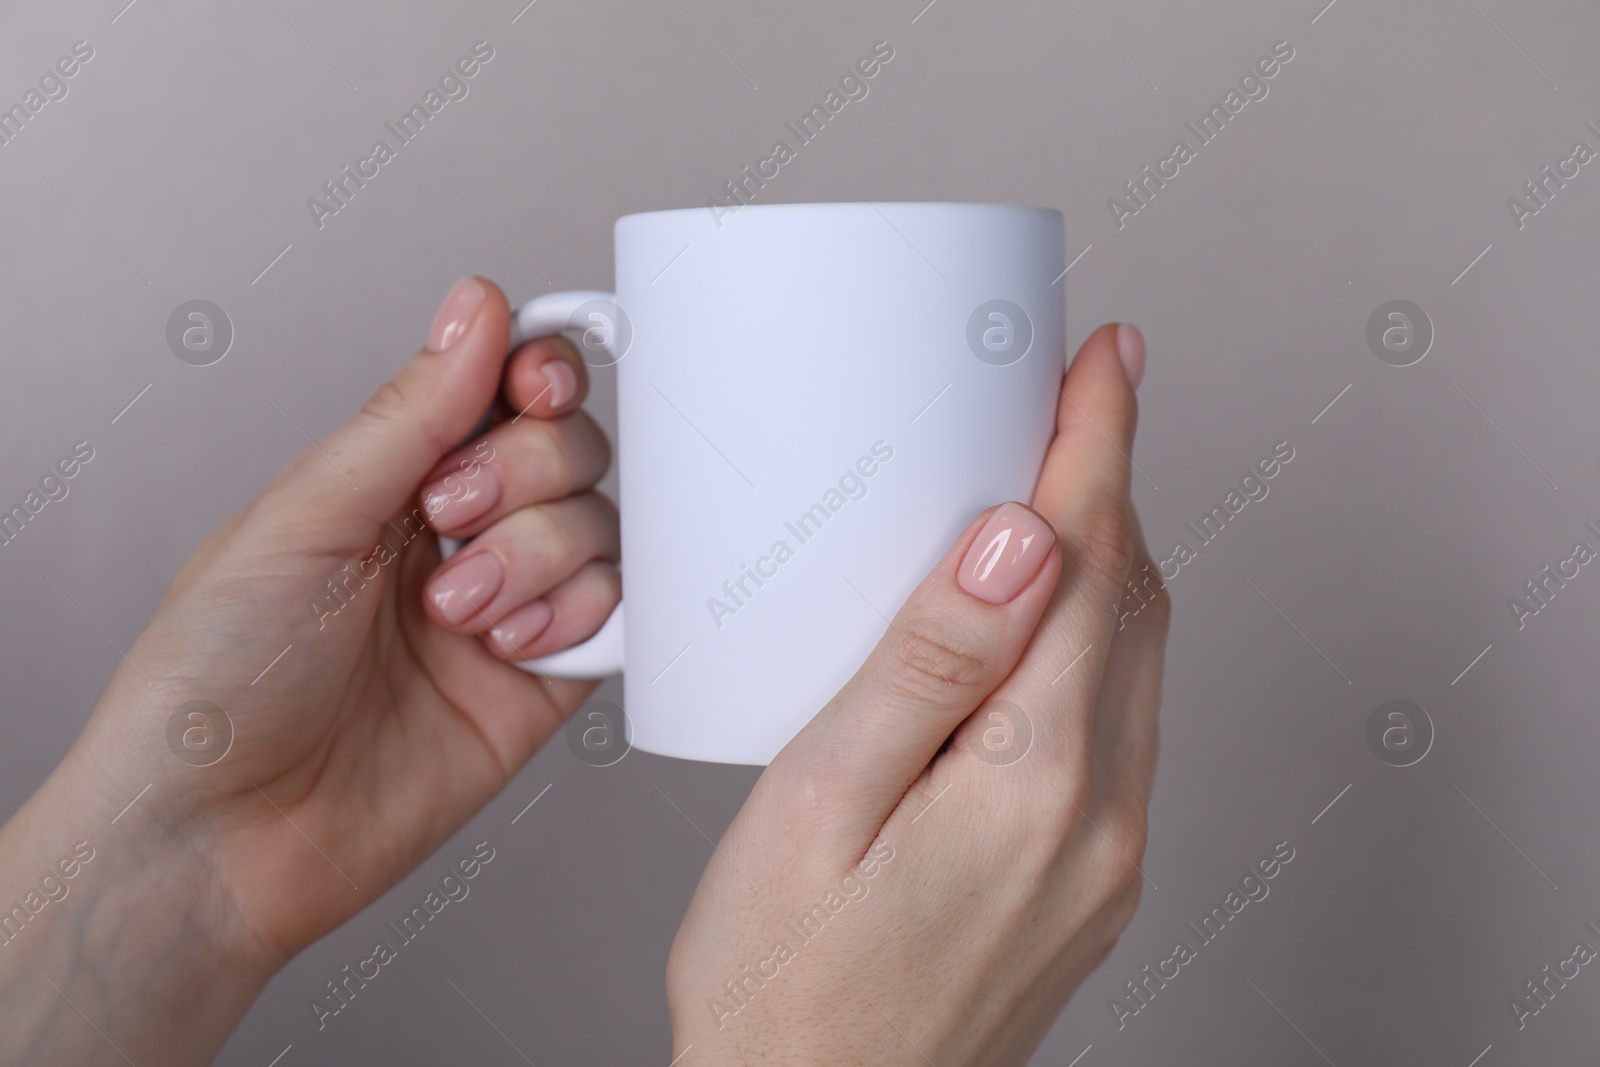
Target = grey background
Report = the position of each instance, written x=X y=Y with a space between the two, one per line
x=1392 y=541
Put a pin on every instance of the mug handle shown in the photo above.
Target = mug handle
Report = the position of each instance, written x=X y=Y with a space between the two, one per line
x=552 y=313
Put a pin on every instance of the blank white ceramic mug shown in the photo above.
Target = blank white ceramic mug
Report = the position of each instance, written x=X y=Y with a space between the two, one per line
x=813 y=400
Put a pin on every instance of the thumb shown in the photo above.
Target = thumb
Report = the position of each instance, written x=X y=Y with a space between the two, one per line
x=340 y=493
x=950 y=645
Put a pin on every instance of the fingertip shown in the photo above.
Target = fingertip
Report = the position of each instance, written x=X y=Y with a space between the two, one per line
x=456 y=384
x=1007 y=555
x=1087 y=470
x=513 y=635
x=463 y=305
x=456 y=595
x=494 y=296
x=1098 y=389
x=1130 y=349
x=1099 y=345
x=546 y=377
x=562 y=383
x=565 y=616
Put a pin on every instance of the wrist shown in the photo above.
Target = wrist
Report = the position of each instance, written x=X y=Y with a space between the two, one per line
x=119 y=914
x=162 y=828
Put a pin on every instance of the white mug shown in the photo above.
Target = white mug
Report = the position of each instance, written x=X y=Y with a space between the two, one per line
x=813 y=402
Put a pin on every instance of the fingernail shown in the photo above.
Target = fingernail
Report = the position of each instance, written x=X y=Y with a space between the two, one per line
x=1130 y=348
x=455 y=314
x=462 y=590
x=456 y=499
x=518 y=629
x=563 y=383
x=1009 y=550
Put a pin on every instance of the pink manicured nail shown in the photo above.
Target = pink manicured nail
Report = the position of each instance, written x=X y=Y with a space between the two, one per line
x=456 y=499
x=563 y=383
x=461 y=591
x=1009 y=550
x=518 y=629
x=1130 y=347
x=455 y=314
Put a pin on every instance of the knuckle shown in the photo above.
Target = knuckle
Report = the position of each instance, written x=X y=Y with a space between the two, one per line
x=607 y=507
x=1108 y=835
x=1105 y=543
x=596 y=444
x=559 y=540
x=1127 y=827
x=1122 y=905
x=389 y=400
x=1145 y=600
x=1120 y=882
x=606 y=580
x=1105 y=946
x=1161 y=613
x=568 y=452
x=548 y=541
x=602 y=526
x=393 y=403
x=551 y=456
x=927 y=664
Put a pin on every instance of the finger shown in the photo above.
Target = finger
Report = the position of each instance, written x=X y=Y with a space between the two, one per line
x=546 y=377
x=336 y=497
x=951 y=643
x=514 y=465
x=1084 y=486
x=519 y=559
x=1126 y=731
x=514 y=711
x=1083 y=493
x=571 y=612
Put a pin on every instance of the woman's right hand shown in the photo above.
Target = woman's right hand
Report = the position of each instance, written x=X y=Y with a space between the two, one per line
x=927 y=872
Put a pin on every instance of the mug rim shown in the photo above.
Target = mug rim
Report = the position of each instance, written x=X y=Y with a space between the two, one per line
x=949 y=205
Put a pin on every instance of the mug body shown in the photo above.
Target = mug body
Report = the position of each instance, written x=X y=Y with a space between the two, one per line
x=815 y=401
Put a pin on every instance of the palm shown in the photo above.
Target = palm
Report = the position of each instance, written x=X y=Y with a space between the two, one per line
x=362 y=749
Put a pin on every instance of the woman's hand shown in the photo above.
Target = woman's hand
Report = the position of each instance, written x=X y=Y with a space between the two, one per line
x=927 y=872
x=365 y=688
